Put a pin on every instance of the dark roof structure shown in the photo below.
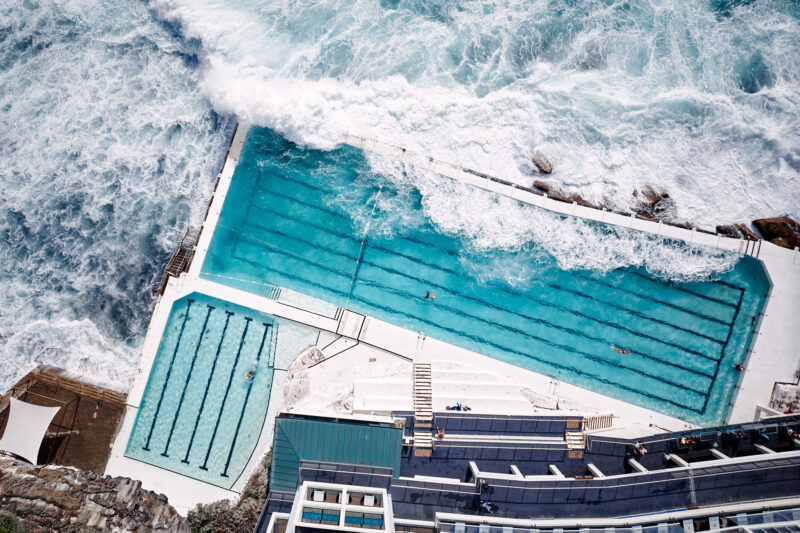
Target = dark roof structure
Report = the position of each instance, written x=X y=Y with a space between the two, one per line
x=528 y=471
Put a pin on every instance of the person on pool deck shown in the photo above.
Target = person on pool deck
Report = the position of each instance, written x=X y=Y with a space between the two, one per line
x=430 y=296
x=621 y=350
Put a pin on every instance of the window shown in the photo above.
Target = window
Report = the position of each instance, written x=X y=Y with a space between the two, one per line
x=331 y=517
x=312 y=515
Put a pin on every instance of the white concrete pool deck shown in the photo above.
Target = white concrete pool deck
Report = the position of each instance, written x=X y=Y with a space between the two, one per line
x=773 y=356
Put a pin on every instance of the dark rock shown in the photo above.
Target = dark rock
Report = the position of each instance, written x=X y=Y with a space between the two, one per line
x=739 y=231
x=542 y=162
x=541 y=185
x=76 y=500
x=565 y=197
x=782 y=231
x=746 y=232
x=654 y=204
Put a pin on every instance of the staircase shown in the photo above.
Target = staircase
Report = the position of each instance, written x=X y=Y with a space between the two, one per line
x=423 y=395
x=180 y=261
x=423 y=410
x=576 y=440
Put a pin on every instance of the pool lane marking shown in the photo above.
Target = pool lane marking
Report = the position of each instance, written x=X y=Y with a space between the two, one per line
x=267 y=328
x=490 y=305
x=228 y=315
x=730 y=332
x=186 y=383
x=515 y=330
x=363 y=246
x=263 y=186
x=146 y=446
x=247 y=321
x=481 y=340
x=347 y=257
x=683 y=289
x=452 y=253
x=661 y=302
x=342 y=273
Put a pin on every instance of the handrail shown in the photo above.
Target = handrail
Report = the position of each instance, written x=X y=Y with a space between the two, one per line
x=592 y=422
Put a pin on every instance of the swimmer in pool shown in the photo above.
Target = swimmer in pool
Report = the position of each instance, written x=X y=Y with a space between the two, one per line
x=430 y=296
x=621 y=350
x=251 y=372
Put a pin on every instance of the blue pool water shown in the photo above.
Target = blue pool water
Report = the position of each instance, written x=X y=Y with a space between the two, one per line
x=322 y=224
x=201 y=415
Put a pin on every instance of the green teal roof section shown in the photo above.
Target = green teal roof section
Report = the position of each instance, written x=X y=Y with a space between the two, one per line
x=331 y=440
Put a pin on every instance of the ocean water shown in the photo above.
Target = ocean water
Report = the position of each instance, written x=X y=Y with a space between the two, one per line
x=108 y=151
x=113 y=120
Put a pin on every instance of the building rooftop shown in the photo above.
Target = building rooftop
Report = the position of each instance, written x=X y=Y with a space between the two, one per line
x=603 y=478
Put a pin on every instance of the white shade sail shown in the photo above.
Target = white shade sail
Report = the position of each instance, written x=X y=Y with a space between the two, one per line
x=25 y=429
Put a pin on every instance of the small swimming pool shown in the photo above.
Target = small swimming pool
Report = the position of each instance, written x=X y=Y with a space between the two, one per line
x=208 y=391
x=288 y=220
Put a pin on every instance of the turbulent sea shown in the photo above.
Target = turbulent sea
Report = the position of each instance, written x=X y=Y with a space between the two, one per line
x=114 y=118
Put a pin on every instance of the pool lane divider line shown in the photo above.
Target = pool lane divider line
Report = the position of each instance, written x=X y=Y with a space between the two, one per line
x=483 y=341
x=264 y=188
x=146 y=446
x=523 y=333
x=267 y=328
x=449 y=252
x=228 y=315
x=661 y=302
x=449 y=271
x=505 y=349
x=258 y=187
x=247 y=321
x=730 y=332
x=495 y=307
x=683 y=289
x=165 y=453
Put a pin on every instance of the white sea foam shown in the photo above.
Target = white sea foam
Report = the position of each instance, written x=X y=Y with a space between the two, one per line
x=108 y=152
x=700 y=101
x=109 y=149
x=498 y=230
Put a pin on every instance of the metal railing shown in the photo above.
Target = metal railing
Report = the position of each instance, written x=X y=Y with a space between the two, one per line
x=597 y=422
x=181 y=259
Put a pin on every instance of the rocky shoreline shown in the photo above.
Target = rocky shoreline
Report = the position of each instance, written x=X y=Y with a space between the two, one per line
x=64 y=499
x=654 y=204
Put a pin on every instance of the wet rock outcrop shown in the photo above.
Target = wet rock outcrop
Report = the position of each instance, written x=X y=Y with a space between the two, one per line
x=782 y=231
x=654 y=203
x=568 y=198
x=542 y=163
x=64 y=499
x=739 y=231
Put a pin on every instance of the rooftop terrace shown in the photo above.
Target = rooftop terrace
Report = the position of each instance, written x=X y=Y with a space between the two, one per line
x=608 y=478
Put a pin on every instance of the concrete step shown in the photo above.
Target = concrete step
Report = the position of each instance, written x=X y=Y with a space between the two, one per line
x=575 y=439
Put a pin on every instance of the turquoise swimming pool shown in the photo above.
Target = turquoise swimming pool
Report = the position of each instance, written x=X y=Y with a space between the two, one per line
x=208 y=391
x=288 y=220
